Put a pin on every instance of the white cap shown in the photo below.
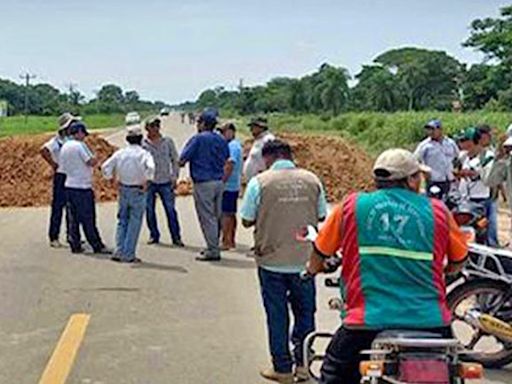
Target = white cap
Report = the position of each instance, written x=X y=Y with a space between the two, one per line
x=134 y=130
x=508 y=142
x=397 y=164
x=509 y=131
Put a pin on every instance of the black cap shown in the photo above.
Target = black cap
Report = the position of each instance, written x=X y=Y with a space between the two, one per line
x=77 y=126
x=484 y=128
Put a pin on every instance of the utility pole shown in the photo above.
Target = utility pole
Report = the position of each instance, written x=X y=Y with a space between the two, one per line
x=27 y=77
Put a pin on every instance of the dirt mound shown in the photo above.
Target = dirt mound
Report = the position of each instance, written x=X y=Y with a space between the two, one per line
x=342 y=167
x=26 y=179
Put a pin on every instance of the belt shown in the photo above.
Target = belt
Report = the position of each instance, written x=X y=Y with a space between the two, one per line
x=131 y=186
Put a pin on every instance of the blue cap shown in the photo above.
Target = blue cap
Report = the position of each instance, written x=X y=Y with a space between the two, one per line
x=433 y=124
x=209 y=116
x=77 y=126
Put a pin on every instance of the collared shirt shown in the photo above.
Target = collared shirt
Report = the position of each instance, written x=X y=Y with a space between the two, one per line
x=74 y=156
x=439 y=156
x=165 y=157
x=207 y=153
x=251 y=203
x=54 y=145
x=236 y=157
x=132 y=165
x=254 y=163
x=475 y=188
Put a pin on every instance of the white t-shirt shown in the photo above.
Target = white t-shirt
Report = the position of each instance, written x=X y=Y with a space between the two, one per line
x=255 y=163
x=74 y=156
x=54 y=145
x=475 y=188
x=132 y=165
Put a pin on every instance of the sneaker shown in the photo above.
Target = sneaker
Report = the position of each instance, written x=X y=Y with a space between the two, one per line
x=103 y=251
x=283 y=378
x=302 y=374
x=153 y=241
x=56 y=244
x=78 y=250
x=208 y=257
x=178 y=243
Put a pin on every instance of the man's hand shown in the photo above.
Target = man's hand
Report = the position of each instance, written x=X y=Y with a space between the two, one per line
x=316 y=264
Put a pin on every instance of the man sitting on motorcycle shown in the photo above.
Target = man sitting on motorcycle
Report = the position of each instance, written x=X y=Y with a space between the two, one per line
x=396 y=247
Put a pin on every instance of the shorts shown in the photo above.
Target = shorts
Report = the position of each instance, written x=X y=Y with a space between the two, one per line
x=230 y=202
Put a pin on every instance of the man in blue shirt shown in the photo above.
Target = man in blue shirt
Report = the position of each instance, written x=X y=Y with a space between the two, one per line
x=232 y=179
x=207 y=153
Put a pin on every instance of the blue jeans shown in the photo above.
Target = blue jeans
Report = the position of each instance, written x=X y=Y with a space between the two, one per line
x=132 y=203
x=279 y=291
x=491 y=208
x=166 y=193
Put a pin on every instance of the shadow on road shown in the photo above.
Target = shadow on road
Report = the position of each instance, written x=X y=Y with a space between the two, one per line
x=235 y=263
x=160 y=267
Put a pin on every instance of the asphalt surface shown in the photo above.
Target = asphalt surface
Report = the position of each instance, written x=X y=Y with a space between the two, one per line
x=170 y=319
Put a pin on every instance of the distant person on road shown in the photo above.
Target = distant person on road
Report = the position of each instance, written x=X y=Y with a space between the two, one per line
x=50 y=152
x=280 y=202
x=134 y=169
x=207 y=153
x=191 y=118
x=439 y=153
x=77 y=163
x=232 y=182
x=254 y=163
x=167 y=172
x=182 y=114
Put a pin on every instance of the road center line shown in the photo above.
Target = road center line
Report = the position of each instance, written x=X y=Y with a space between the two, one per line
x=64 y=354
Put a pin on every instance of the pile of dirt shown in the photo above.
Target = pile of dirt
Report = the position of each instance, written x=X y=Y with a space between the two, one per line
x=26 y=179
x=342 y=167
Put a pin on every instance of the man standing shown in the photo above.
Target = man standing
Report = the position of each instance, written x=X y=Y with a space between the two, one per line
x=51 y=153
x=280 y=203
x=134 y=168
x=167 y=171
x=254 y=163
x=232 y=180
x=207 y=153
x=77 y=163
x=397 y=245
x=439 y=153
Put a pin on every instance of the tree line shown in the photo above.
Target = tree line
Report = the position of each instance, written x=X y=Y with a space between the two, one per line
x=405 y=79
x=45 y=99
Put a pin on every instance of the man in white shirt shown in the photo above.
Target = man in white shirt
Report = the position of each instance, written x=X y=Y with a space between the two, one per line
x=50 y=152
x=254 y=163
x=134 y=168
x=77 y=163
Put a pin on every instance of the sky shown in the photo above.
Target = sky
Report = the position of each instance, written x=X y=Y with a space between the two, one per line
x=172 y=50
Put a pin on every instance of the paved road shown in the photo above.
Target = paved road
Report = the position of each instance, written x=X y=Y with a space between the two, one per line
x=168 y=320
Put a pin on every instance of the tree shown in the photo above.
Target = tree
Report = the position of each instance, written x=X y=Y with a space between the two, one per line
x=377 y=90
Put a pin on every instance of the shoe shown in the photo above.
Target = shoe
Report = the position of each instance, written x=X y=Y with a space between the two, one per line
x=283 y=378
x=208 y=257
x=178 y=243
x=103 y=251
x=227 y=247
x=302 y=374
x=135 y=260
x=78 y=250
x=56 y=244
x=153 y=241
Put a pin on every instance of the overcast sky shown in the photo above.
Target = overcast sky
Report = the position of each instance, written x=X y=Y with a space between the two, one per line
x=171 y=50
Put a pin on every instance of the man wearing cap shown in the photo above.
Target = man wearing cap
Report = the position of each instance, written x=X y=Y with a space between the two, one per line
x=50 y=152
x=280 y=202
x=77 y=163
x=167 y=171
x=254 y=163
x=134 y=168
x=439 y=153
x=232 y=180
x=396 y=243
x=207 y=153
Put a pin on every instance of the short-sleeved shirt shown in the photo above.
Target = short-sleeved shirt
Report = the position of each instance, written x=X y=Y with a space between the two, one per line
x=133 y=166
x=395 y=244
x=236 y=157
x=74 y=156
x=475 y=188
x=254 y=163
x=54 y=145
x=207 y=153
x=439 y=156
x=165 y=156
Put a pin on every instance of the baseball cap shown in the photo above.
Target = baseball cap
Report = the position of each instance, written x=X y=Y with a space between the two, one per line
x=227 y=126
x=509 y=130
x=153 y=121
x=508 y=142
x=396 y=164
x=470 y=133
x=77 y=126
x=209 y=116
x=66 y=119
x=433 y=124
x=259 y=122
x=134 y=130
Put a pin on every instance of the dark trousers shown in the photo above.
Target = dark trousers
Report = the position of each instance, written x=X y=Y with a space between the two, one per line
x=166 y=193
x=83 y=213
x=58 y=207
x=341 y=362
x=279 y=292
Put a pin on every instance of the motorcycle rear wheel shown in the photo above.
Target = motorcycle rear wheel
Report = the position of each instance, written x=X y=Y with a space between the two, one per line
x=476 y=292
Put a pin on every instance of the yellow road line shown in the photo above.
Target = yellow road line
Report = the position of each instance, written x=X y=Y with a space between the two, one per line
x=59 y=365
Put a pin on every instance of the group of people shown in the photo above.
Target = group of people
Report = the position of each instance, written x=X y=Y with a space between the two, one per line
x=469 y=165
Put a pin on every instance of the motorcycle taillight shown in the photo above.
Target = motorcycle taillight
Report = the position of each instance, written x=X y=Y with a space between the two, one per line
x=424 y=370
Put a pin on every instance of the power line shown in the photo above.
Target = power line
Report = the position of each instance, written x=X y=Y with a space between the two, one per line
x=27 y=77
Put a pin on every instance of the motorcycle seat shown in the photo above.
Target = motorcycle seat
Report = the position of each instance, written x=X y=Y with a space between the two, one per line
x=407 y=334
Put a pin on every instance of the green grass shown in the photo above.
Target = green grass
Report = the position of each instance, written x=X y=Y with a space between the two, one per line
x=379 y=131
x=15 y=125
